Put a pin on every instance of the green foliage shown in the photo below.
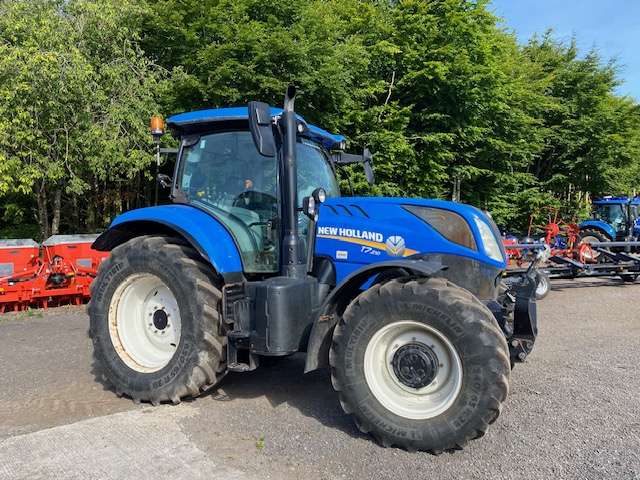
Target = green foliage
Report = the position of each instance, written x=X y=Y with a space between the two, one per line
x=74 y=90
x=449 y=103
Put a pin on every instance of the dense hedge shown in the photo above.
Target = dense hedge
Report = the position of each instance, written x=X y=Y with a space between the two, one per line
x=449 y=103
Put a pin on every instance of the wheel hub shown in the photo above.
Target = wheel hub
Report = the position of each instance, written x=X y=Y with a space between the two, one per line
x=415 y=365
x=160 y=319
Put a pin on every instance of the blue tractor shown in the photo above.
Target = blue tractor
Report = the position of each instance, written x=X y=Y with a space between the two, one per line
x=613 y=219
x=259 y=257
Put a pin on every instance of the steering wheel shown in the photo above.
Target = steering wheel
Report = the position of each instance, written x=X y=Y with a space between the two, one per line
x=256 y=201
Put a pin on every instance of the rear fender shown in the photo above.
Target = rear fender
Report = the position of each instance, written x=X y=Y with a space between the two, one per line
x=336 y=303
x=597 y=225
x=212 y=241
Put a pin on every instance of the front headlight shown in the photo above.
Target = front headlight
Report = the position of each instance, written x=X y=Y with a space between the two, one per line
x=489 y=241
x=450 y=225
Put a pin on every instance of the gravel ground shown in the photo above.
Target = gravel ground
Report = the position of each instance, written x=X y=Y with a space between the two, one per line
x=573 y=411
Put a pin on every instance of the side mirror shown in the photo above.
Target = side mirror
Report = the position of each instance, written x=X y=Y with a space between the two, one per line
x=164 y=180
x=368 y=166
x=261 y=130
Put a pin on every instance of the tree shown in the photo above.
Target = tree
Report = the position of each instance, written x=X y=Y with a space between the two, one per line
x=74 y=88
x=590 y=134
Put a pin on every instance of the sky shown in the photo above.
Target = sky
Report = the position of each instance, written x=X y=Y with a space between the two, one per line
x=612 y=26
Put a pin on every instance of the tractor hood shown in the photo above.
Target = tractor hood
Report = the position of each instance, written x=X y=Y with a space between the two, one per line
x=360 y=231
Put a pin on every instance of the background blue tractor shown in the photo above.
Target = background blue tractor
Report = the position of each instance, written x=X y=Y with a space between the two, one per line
x=612 y=219
x=259 y=256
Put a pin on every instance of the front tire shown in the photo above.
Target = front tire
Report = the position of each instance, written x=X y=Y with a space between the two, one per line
x=155 y=321
x=421 y=364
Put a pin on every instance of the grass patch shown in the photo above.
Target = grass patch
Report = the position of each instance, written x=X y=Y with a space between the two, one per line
x=17 y=316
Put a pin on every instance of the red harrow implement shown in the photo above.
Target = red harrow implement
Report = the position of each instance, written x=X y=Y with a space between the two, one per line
x=61 y=276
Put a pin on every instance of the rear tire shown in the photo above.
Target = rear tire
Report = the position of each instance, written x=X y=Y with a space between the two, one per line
x=421 y=364
x=155 y=321
x=589 y=235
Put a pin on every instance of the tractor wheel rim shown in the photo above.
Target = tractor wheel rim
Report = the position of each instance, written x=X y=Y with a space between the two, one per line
x=590 y=254
x=413 y=370
x=144 y=323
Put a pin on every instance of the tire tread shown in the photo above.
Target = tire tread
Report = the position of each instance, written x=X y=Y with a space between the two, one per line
x=495 y=347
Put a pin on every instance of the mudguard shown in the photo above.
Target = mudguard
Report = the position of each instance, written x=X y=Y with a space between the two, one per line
x=605 y=227
x=202 y=231
x=337 y=301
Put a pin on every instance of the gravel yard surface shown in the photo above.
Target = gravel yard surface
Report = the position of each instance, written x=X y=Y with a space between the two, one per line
x=573 y=411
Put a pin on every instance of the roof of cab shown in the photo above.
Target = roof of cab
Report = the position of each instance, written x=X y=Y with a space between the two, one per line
x=192 y=122
x=617 y=200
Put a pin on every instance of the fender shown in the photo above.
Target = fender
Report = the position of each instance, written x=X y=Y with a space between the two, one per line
x=203 y=232
x=337 y=301
x=605 y=227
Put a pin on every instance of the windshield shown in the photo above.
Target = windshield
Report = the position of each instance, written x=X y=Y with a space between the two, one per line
x=224 y=174
x=314 y=171
x=613 y=214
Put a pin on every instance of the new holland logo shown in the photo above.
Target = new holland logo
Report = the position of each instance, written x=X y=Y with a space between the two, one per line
x=395 y=246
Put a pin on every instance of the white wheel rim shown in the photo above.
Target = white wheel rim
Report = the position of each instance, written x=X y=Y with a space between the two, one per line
x=542 y=286
x=144 y=323
x=589 y=253
x=415 y=403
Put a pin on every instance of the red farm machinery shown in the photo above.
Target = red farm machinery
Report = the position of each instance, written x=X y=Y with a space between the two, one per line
x=569 y=254
x=57 y=273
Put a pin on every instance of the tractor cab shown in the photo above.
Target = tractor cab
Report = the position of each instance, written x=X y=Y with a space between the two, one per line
x=612 y=213
x=613 y=218
x=221 y=173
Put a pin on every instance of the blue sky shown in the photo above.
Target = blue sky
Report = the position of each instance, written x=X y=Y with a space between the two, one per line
x=612 y=26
